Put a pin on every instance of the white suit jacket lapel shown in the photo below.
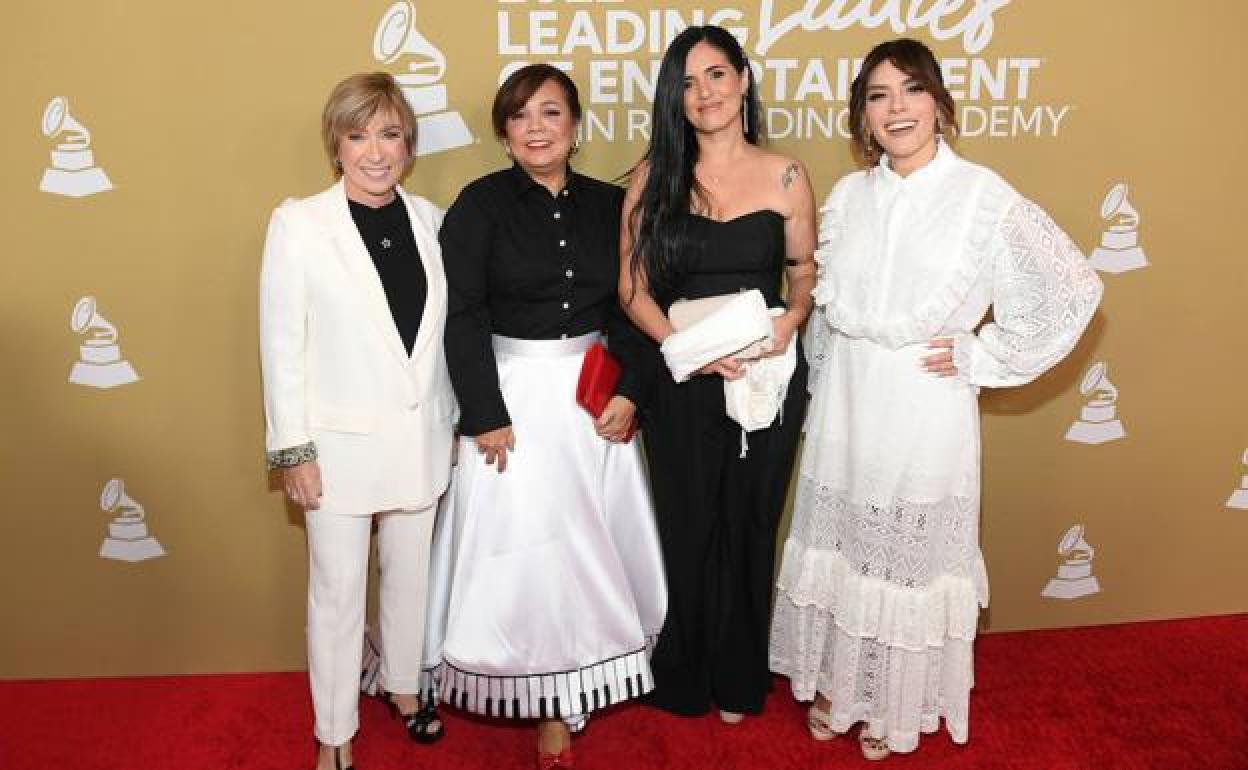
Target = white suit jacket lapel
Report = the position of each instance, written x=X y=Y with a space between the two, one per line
x=426 y=235
x=359 y=264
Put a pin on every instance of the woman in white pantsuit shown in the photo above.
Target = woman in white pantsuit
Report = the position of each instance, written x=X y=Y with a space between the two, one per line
x=358 y=403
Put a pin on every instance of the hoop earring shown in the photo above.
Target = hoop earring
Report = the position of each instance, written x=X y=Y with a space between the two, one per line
x=576 y=145
x=338 y=163
x=745 y=116
x=506 y=147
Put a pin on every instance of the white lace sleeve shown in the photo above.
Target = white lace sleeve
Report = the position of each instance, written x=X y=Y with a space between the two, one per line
x=1044 y=294
x=815 y=344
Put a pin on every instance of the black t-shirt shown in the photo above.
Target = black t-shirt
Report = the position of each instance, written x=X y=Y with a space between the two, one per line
x=387 y=234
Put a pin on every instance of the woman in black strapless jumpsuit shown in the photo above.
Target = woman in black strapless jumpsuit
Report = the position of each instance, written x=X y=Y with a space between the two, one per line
x=717 y=507
x=717 y=511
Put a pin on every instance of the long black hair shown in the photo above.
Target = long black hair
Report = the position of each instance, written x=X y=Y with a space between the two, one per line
x=662 y=233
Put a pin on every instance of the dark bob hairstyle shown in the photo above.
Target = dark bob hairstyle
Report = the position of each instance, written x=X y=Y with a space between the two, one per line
x=519 y=87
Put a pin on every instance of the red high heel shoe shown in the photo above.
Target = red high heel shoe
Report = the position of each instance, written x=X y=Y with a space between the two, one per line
x=561 y=761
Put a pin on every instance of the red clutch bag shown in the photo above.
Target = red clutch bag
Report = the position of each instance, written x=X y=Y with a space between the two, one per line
x=600 y=374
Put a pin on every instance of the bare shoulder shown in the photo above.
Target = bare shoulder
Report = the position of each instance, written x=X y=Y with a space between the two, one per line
x=781 y=171
x=789 y=172
x=792 y=174
x=785 y=181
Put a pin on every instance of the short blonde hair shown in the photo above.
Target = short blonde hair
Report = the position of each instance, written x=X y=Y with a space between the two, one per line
x=355 y=101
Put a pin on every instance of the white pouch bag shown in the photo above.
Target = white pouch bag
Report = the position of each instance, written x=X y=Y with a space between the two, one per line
x=755 y=400
x=711 y=328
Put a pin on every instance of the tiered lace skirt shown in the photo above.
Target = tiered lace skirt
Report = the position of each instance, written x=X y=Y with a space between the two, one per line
x=882 y=577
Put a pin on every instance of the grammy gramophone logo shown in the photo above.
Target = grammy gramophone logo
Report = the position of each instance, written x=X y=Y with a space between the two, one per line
x=1074 y=575
x=1098 y=420
x=128 y=538
x=1120 y=241
x=73 y=171
x=99 y=363
x=1239 y=498
x=437 y=129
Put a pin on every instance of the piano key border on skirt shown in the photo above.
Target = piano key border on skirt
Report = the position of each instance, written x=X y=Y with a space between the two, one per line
x=548 y=695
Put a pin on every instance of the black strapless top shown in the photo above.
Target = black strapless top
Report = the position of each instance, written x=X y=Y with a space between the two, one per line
x=746 y=252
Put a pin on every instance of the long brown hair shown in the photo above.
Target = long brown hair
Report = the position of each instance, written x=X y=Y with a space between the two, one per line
x=918 y=62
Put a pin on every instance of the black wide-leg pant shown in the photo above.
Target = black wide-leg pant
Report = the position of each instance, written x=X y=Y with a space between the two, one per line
x=717 y=515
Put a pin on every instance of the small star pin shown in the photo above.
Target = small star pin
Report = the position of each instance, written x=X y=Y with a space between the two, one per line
x=385 y=243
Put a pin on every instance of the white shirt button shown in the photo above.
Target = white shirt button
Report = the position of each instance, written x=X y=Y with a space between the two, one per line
x=565 y=193
x=557 y=215
x=562 y=243
x=565 y=306
x=568 y=273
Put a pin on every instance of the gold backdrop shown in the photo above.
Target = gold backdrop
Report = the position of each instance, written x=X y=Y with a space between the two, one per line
x=202 y=117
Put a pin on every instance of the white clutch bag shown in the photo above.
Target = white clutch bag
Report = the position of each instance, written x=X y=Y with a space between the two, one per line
x=709 y=329
x=737 y=324
x=685 y=313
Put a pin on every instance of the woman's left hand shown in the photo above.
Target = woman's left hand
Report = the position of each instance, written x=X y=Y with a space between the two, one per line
x=940 y=363
x=616 y=420
x=782 y=331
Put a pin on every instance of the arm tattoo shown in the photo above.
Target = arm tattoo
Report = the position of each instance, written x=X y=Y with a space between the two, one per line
x=790 y=175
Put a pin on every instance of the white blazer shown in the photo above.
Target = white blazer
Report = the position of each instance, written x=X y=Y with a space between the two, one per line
x=336 y=372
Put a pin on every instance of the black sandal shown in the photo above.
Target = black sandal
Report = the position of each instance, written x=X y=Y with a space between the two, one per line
x=338 y=760
x=423 y=725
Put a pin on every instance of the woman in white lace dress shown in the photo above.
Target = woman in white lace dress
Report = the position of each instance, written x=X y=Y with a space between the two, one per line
x=882 y=576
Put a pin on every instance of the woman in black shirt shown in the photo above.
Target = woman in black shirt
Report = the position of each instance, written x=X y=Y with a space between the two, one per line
x=556 y=579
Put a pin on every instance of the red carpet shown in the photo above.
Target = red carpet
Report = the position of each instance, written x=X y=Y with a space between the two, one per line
x=1162 y=696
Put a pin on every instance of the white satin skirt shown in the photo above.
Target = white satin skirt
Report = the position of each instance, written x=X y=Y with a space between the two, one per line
x=547 y=581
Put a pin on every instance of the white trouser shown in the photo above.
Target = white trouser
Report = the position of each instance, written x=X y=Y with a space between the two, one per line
x=338 y=547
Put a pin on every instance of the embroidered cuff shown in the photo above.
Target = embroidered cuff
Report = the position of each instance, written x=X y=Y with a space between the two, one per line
x=964 y=358
x=291 y=456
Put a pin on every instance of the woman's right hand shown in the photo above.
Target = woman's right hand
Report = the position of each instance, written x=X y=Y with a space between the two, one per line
x=495 y=445
x=728 y=367
x=303 y=484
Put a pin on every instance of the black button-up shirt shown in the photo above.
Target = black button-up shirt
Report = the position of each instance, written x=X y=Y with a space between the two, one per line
x=523 y=263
